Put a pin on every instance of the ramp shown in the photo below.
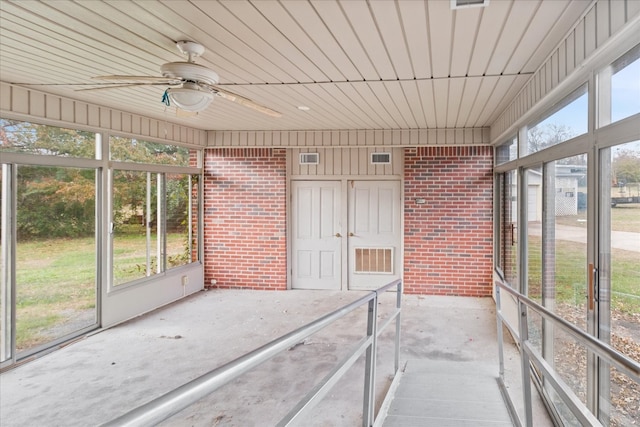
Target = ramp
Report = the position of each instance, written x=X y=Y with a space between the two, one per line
x=446 y=393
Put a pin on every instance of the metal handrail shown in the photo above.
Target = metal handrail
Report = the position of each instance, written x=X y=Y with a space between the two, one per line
x=163 y=407
x=624 y=364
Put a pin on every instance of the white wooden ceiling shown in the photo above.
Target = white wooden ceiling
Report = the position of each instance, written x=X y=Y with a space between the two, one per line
x=356 y=64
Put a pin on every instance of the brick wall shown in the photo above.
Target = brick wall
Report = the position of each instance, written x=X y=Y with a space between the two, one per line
x=244 y=218
x=448 y=240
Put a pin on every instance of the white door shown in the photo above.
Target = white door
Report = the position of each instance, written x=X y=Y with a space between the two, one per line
x=374 y=233
x=316 y=239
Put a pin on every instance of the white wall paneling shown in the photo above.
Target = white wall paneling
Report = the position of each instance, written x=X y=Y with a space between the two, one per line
x=32 y=105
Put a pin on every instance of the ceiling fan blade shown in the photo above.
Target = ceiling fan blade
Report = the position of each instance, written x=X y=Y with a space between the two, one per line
x=117 y=86
x=245 y=101
x=149 y=79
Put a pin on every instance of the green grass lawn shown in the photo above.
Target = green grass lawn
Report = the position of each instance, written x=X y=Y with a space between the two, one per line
x=56 y=283
x=571 y=275
x=55 y=280
x=623 y=218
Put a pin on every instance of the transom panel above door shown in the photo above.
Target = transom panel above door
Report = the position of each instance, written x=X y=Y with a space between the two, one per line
x=316 y=240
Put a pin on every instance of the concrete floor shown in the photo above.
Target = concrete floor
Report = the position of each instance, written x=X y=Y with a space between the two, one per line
x=111 y=372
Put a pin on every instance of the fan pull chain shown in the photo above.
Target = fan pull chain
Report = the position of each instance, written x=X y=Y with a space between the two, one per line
x=165 y=98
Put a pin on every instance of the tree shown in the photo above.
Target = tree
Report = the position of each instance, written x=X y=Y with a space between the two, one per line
x=546 y=135
x=32 y=138
x=60 y=201
x=626 y=165
x=55 y=202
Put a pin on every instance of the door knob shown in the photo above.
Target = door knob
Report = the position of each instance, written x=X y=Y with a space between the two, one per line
x=351 y=234
x=338 y=235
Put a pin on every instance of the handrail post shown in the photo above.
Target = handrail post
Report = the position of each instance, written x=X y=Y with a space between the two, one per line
x=500 y=336
x=396 y=364
x=370 y=364
x=526 y=381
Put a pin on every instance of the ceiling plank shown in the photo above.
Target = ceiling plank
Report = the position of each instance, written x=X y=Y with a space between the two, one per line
x=517 y=23
x=530 y=42
x=468 y=101
x=414 y=23
x=464 y=39
x=360 y=18
x=412 y=94
x=441 y=98
x=400 y=101
x=487 y=86
x=374 y=115
x=390 y=26
x=491 y=24
x=340 y=27
x=263 y=37
x=322 y=40
x=367 y=91
x=296 y=33
x=456 y=88
x=440 y=35
x=496 y=99
x=425 y=88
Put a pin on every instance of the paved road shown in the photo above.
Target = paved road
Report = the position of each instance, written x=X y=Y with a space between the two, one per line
x=625 y=240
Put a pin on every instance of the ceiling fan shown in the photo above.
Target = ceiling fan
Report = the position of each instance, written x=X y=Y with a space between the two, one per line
x=193 y=86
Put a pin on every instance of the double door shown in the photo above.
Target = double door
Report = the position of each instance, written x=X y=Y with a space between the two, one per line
x=345 y=234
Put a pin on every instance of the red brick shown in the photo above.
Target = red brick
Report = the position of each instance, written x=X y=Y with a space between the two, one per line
x=448 y=240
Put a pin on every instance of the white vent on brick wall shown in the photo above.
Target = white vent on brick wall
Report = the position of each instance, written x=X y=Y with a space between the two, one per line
x=380 y=158
x=309 y=158
x=461 y=4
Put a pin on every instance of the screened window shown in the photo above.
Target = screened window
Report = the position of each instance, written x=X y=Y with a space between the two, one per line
x=507 y=151
x=153 y=209
x=48 y=230
x=180 y=190
x=567 y=120
x=137 y=250
x=625 y=86
x=508 y=243
x=55 y=264
x=29 y=138
x=138 y=151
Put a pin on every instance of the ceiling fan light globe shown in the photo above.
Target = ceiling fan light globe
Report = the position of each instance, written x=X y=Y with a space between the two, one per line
x=190 y=98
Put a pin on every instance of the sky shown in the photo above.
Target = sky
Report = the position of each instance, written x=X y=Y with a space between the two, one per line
x=625 y=102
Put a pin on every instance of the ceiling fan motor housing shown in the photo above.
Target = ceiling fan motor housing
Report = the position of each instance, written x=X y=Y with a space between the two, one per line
x=189 y=71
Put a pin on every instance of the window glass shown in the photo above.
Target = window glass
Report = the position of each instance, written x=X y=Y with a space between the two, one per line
x=507 y=151
x=179 y=237
x=566 y=121
x=153 y=226
x=619 y=272
x=564 y=266
x=23 y=137
x=6 y=349
x=533 y=184
x=55 y=262
x=138 y=151
x=534 y=187
x=136 y=251
x=508 y=187
x=625 y=86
